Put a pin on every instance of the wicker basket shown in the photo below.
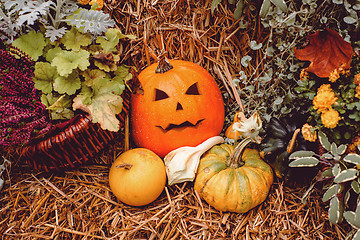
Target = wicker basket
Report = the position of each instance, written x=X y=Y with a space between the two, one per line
x=71 y=143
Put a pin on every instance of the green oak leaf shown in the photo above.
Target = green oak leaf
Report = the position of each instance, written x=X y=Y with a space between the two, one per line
x=111 y=39
x=115 y=87
x=59 y=106
x=51 y=53
x=73 y=39
x=67 y=61
x=104 y=107
x=123 y=74
x=109 y=86
x=68 y=84
x=44 y=76
x=62 y=114
x=108 y=67
x=86 y=94
x=92 y=76
x=32 y=44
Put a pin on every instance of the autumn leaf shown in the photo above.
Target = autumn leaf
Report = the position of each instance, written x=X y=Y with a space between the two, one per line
x=111 y=39
x=44 y=76
x=74 y=39
x=51 y=53
x=91 y=76
x=105 y=103
x=67 y=61
x=326 y=51
x=68 y=84
x=32 y=44
x=58 y=106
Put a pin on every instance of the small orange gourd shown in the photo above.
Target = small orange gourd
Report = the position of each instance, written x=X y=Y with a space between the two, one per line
x=181 y=105
x=230 y=132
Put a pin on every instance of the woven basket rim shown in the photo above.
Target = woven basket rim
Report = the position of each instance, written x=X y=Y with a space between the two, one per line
x=58 y=127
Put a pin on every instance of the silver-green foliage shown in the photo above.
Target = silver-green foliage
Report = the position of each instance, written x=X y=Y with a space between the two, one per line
x=238 y=9
x=20 y=16
x=343 y=184
x=279 y=72
x=265 y=7
x=276 y=71
x=92 y=21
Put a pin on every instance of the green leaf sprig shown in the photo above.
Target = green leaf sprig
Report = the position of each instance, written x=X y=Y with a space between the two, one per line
x=76 y=72
x=341 y=170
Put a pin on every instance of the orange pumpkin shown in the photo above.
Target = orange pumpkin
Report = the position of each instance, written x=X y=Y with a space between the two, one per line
x=180 y=105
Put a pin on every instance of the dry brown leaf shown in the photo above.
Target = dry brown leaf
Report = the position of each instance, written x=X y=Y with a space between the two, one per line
x=326 y=51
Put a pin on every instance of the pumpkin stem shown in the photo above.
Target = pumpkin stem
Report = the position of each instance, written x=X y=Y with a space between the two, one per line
x=234 y=160
x=290 y=146
x=127 y=166
x=164 y=64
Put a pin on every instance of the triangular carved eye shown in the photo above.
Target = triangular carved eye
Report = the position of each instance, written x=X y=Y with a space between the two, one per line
x=193 y=90
x=160 y=95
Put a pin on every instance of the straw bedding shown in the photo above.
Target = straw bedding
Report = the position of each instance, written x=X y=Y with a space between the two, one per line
x=78 y=204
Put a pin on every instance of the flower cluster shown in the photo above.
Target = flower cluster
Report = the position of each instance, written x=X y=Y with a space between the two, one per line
x=323 y=102
x=21 y=112
x=335 y=75
x=324 y=99
x=308 y=133
x=334 y=102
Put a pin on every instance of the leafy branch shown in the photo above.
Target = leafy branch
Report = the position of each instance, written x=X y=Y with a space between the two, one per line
x=21 y=16
x=341 y=169
x=79 y=73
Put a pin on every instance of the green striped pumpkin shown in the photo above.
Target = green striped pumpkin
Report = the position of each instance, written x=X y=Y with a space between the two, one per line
x=234 y=180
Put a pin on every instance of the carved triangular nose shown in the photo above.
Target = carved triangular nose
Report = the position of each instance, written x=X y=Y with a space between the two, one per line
x=179 y=107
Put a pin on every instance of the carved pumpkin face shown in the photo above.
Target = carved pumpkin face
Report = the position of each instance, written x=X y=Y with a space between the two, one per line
x=180 y=107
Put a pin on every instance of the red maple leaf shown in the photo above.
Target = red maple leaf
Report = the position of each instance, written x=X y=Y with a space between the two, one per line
x=326 y=51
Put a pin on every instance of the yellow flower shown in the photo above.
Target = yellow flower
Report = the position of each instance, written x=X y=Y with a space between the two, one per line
x=330 y=118
x=99 y=2
x=324 y=88
x=334 y=75
x=343 y=70
x=91 y=2
x=309 y=133
x=304 y=75
x=357 y=78
x=324 y=98
x=83 y=2
x=357 y=89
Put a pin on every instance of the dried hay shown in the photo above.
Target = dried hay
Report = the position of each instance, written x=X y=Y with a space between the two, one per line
x=78 y=204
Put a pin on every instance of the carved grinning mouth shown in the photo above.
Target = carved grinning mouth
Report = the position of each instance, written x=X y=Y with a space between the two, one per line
x=172 y=126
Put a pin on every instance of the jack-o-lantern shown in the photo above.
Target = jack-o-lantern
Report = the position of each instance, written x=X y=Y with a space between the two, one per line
x=180 y=105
